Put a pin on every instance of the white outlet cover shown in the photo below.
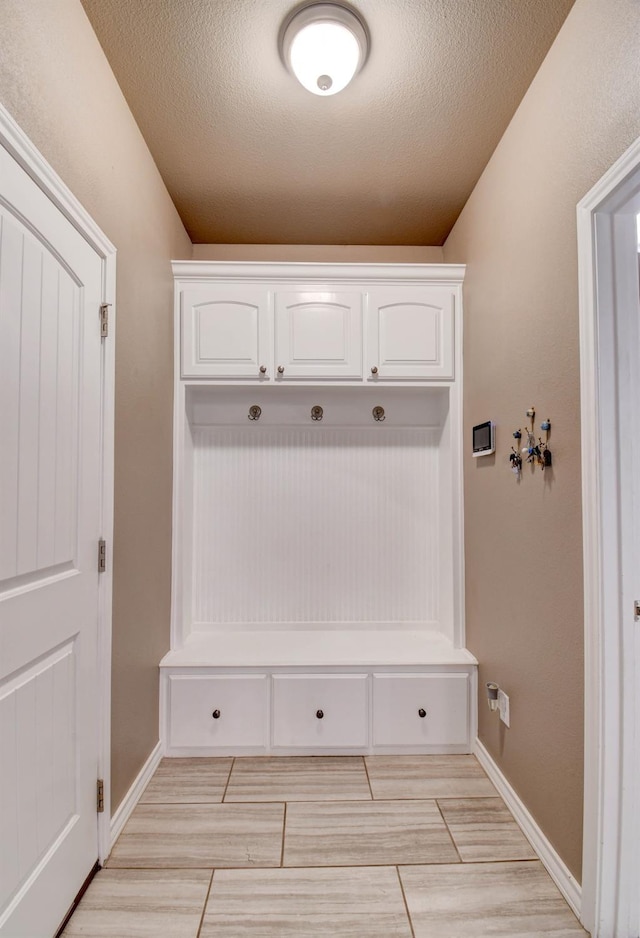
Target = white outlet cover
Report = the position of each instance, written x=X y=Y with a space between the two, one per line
x=503 y=707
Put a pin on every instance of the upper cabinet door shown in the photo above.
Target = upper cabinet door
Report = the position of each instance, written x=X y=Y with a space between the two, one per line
x=318 y=335
x=226 y=333
x=411 y=333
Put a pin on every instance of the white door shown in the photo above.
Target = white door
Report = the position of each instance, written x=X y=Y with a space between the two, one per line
x=226 y=333
x=411 y=333
x=318 y=335
x=50 y=458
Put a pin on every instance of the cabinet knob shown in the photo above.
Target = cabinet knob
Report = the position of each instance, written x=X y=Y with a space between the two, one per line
x=374 y=369
x=280 y=369
x=263 y=369
x=216 y=714
x=422 y=713
x=319 y=714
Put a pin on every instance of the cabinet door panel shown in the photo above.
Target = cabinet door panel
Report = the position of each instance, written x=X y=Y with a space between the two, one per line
x=299 y=699
x=226 y=333
x=411 y=333
x=240 y=702
x=400 y=700
x=319 y=335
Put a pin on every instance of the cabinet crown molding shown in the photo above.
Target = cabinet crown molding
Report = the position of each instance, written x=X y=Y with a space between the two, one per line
x=300 y=273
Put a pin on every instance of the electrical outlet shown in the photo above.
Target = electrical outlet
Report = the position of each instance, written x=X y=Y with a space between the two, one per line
x=503 y=707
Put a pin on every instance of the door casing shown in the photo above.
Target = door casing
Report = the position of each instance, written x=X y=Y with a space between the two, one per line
x=609 y=333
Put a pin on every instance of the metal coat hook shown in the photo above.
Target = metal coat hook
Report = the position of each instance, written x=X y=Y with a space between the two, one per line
x=254 y=412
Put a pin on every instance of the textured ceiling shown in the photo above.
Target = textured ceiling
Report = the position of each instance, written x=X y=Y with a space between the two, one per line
x=249 y=156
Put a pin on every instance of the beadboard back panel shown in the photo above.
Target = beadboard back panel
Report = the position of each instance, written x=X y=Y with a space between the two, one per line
x=316 y=525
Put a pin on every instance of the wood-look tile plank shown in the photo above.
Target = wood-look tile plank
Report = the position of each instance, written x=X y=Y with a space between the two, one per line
x=141 y=904
x=484 y=829
x=513 y=900
x=298 y=778
x=188 y=781
x=427 y=777
x=351 y=833
x=311 y=903
x=212 y=835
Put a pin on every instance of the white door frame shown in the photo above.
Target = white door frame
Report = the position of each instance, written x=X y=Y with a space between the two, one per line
x=15 y=141
x=609 y=327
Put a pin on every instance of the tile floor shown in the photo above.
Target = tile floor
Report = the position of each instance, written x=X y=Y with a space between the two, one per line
x=337 y=847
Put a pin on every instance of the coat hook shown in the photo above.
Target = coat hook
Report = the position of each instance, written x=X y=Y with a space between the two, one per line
x=254 y=412
x=378 y=414
x=317 y=412
x=531 y=413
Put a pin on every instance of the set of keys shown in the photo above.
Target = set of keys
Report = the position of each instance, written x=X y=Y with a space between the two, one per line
x=538 y=453
x=535 y=453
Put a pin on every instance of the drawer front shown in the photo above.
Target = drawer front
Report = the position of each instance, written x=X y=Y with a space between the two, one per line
x=316 y=710
x=240 y=703
x=400 y=700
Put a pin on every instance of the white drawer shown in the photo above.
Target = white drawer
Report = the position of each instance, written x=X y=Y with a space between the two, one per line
x=400 y=700
x=316 y=710
x=240 y=702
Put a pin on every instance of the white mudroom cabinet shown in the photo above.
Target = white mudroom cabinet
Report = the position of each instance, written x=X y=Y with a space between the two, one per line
x=317 y=539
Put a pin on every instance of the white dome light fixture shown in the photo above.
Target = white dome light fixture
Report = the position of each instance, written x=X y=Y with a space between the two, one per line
x=324 y=45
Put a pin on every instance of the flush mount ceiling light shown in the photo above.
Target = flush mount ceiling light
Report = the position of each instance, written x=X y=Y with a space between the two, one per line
x=324 y=45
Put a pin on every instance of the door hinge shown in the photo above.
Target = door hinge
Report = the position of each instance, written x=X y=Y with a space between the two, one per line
x=104 y=320
x=636 y=610
x=102 y=555
x=100 y=795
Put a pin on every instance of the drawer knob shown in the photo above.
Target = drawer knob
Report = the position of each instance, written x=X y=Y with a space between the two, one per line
x=374 y=370
x=280 y=369
x=263 y=369
x=319 y=714
x=216 y=714
x=422 y=713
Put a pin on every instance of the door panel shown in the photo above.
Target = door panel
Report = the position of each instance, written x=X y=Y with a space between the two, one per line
x=318 y=335
x=38 y=498
x=411 y=337
x=225 y=333
x=50 y=430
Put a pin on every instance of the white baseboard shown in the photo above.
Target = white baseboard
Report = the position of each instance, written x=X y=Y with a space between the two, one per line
x=556 y=867
x=134 y=794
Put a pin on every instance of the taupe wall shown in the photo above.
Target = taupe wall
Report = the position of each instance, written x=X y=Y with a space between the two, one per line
x=55 y=81
x=517 y=234
x=323 y=253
